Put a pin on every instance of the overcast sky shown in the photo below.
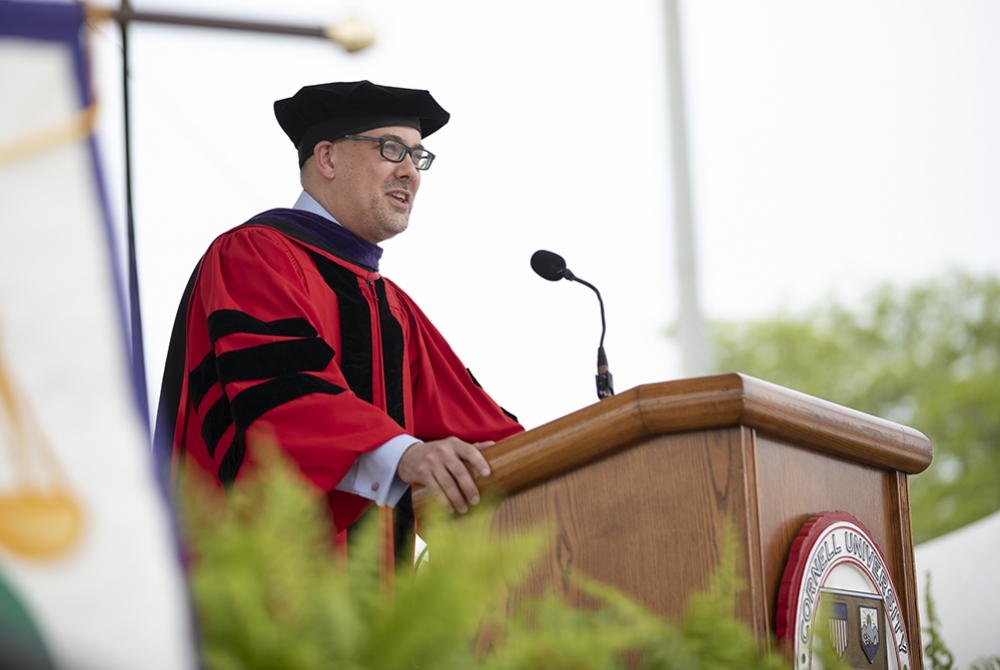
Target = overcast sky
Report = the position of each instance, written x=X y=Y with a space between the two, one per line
x=834 y=146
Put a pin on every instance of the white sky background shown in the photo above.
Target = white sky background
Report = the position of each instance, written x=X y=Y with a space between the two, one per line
x=834 y=146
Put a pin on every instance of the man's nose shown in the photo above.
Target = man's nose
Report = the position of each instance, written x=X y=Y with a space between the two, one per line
x=407 y=168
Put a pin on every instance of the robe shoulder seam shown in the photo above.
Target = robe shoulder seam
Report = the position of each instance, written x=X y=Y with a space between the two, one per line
x=280 y=240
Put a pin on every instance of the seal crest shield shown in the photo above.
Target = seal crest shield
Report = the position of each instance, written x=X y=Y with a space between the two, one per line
x=838 y=626
x=870 y=634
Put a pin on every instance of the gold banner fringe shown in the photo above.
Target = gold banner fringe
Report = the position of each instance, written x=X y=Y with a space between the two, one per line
x=77 y=127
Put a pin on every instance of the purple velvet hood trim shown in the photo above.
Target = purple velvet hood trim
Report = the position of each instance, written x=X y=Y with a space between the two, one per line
x=334 y=237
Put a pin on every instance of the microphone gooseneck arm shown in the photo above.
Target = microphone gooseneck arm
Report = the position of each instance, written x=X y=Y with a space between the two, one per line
x=605 y=382
x=604 y=326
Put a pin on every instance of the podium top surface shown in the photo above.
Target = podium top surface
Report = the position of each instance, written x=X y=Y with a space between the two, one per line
x=701 y=403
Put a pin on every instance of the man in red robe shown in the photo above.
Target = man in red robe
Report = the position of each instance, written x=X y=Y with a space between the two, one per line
x=288 y=324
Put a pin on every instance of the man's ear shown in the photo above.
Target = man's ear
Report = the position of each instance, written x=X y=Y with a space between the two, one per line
x=323 y=158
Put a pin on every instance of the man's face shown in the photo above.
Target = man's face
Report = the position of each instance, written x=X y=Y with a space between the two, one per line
x=374 y=196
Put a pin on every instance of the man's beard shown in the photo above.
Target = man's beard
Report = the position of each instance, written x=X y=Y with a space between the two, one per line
x=389 y=220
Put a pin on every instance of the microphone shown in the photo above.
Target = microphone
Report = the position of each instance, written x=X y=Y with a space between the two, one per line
x=548 y=265
x=551 y=266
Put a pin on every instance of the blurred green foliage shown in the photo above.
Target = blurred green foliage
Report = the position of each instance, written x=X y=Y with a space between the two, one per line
x=927 y=356
x=936 y=652
x=270 y=593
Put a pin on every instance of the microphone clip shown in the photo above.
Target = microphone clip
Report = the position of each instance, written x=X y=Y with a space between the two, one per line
x=605 y=382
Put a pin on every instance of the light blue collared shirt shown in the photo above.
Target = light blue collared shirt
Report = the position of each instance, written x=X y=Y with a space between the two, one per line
x=307 y=203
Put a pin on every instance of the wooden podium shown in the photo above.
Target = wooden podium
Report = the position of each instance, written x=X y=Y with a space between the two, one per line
x=637 y=489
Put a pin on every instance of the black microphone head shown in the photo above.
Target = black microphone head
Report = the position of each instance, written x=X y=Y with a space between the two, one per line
x=548 y=265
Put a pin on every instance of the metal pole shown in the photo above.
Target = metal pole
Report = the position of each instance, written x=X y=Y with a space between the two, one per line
x=351 y=34
x=694 y=350
x=126 y=13
x=135 y=311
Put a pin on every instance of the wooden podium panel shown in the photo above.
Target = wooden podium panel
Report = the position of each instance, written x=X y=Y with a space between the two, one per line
x=646 y=519
x=790 y=492
x=637 y=490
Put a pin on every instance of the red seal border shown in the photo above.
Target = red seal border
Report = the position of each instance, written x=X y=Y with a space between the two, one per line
x=796 y=566
x=792 y=579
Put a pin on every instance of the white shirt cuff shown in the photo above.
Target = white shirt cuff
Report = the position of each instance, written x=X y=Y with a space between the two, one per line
x=373 y=474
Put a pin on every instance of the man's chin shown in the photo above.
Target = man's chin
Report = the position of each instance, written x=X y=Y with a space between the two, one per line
x=389 y=229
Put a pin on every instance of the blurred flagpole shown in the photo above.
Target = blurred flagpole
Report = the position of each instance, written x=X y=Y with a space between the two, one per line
x=137 y=354
x=694 y=348
x=351 y=34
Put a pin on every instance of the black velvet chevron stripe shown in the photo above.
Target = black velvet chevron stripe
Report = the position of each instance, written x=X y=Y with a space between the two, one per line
x=228 y=321
x=261 y=362
x=202 y=378
x=355 y=326
x=232 y=460
x=274 y=359
x=392 y=356
x=251 y=404
x=265 y=361
x=217 y=420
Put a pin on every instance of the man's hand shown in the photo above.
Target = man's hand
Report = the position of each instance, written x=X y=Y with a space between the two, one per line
x=439 y=466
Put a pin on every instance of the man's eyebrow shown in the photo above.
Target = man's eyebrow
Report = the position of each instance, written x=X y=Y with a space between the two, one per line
x=393 y=136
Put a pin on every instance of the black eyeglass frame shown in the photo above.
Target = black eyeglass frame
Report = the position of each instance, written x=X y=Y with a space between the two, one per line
x=407 y=150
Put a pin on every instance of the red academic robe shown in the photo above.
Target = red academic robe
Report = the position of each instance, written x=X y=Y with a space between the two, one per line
x=332 y=357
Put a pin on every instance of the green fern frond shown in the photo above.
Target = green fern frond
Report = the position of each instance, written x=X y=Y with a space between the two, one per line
x=270 y=593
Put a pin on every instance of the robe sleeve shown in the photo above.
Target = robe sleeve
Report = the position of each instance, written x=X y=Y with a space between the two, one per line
x=269 y=360
x=447 y=400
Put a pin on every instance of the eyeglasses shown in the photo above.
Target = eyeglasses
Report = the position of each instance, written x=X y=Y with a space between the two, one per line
x=395 y=151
